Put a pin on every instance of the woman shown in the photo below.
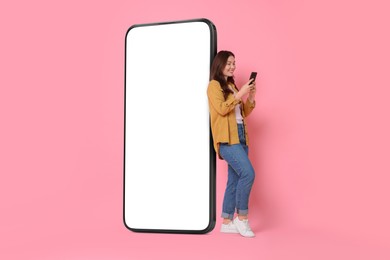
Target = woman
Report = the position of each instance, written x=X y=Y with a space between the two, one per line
x=227 y=113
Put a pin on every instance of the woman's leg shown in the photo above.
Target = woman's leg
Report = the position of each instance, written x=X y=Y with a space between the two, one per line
x=229 y=199
x=244 y=187
x=237 y=157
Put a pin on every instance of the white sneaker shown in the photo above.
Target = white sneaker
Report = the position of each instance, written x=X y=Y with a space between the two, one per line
x=243 y=227
x=229 y=228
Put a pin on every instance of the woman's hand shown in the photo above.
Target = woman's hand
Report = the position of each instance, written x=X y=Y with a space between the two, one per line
x=247 y=88
x=252 y=92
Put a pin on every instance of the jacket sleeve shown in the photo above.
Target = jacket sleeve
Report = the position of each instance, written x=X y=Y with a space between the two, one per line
x=217 y=100
x=248 y=107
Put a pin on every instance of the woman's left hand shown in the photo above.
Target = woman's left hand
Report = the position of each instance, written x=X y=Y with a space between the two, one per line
x=252 y=92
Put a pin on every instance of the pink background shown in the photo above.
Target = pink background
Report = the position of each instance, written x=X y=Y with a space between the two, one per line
x=320 y=138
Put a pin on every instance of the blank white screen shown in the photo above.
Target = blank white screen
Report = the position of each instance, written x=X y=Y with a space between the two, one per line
x=167 y=163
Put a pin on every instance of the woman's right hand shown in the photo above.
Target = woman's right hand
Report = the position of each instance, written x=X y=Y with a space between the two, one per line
x=244 y=90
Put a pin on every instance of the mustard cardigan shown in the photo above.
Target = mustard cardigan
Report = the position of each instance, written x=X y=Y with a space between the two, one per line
x=223 y=117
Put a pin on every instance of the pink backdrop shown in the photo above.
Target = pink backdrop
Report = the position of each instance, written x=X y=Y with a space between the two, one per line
x=319 y=136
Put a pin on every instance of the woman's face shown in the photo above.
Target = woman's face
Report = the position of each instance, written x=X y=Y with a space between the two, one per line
x=230 y=67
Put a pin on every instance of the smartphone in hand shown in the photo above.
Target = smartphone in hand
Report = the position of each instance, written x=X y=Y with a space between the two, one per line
x=253 y=77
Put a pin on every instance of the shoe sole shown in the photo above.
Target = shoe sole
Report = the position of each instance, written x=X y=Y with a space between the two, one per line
x=230 y=232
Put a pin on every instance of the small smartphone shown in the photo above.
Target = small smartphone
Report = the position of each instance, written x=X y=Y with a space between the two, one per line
x=253 y=77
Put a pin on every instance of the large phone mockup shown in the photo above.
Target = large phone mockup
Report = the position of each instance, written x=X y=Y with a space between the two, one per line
x=169 y=161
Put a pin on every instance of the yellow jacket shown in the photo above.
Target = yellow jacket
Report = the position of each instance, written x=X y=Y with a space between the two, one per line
x=223 y=117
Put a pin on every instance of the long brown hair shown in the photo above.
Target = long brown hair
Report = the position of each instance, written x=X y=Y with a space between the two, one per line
x=216 y=72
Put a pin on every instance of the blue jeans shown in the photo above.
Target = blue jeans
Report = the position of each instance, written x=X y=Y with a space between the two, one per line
x=240 y=176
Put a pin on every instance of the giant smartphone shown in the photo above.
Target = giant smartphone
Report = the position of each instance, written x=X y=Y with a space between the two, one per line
x=169 y=161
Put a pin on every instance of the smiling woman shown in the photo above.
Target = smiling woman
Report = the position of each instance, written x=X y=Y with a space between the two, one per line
x=228 y=112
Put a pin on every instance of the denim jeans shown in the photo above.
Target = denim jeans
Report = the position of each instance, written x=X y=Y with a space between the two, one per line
x=240 y=176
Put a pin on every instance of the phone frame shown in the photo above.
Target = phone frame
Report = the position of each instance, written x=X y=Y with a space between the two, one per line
x=212 y=154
